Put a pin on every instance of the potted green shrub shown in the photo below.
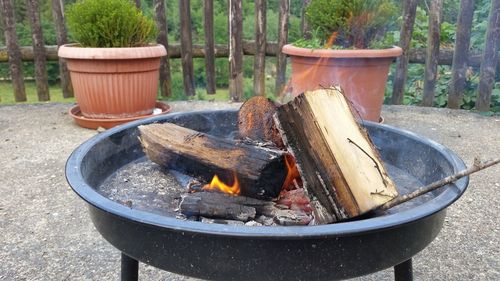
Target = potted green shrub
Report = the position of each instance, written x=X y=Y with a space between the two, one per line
x=341 y=51
x=114 y=68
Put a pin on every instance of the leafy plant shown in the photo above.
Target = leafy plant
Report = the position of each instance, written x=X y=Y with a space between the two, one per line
x=350 y=23
x=110 y=23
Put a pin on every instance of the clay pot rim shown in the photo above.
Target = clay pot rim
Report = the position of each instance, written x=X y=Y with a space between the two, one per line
x=75 y=51
x=392 y=52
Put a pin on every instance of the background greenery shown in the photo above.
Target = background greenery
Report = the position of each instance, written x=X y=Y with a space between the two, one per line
x=109 y=24
x=413 y=94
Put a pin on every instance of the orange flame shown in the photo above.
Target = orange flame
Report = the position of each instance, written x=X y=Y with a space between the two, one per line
x=310 y=72
x=331 y=40
x=217 y=184
x=292 y=172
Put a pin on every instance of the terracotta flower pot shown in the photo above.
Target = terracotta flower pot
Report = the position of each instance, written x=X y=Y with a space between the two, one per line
x=362 y=74
x=114 y=82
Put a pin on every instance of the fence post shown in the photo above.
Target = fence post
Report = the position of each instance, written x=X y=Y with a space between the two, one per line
x=398 y=88
x=432 y=57
x=42 y=84
x=186 y=47
x=162 y=38
x=208 y=7
x=461 y=53
x=259 y=66
x=13 y=50
x=282 y=39
x=304 y=26
x=235 y=50
x=488 y=63
x=62 y=38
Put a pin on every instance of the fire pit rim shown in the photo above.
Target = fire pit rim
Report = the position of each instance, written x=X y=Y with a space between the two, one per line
x=76 y=181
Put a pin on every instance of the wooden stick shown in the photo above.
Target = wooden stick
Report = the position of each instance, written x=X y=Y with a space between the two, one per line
x=477 y=166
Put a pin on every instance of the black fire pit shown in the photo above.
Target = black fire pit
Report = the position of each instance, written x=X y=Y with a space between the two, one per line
x=225 y=252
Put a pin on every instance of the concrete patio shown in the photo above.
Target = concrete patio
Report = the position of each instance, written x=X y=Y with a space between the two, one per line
x=46 y=233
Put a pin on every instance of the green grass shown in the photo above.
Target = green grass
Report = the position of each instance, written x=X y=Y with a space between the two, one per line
x=220 y=95
x=7 y=94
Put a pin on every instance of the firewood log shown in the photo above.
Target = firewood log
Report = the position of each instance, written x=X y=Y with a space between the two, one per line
x=260 y=171
x=340 y=167
x=241 y=208
x=255 y=121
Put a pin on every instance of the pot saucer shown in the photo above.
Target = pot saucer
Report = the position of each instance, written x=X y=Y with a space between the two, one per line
x=94 y=123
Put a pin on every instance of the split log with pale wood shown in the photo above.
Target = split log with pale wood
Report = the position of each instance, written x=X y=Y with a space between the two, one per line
x=260 y=171
x=340 y=167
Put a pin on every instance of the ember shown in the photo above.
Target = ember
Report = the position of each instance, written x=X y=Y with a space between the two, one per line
x=292 y=180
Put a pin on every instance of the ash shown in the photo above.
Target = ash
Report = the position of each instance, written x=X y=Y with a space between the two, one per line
x=405 y=184
x=143 y=185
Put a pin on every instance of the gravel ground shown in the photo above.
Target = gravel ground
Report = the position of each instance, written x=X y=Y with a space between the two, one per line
x=47 y=234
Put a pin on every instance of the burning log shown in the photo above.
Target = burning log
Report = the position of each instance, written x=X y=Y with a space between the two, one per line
x=227 y=207
x=259 y=171
x=255 y=121
x=219 y=205
x=339 y=166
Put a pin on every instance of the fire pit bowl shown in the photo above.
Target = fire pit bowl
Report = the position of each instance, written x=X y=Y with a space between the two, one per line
x=226 y=252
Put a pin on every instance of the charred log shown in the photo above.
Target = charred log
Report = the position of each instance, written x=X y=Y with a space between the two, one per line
x=220 y=206
x=260 y=171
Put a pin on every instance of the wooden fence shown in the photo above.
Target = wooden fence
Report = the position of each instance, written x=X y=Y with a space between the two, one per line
x=459 y=57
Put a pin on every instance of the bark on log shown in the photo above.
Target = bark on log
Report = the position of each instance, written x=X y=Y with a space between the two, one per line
x=62 y=38
x=260 y=171
x=282 y=40
x=488 y=69
x=235 y=50
x=186 y=47
x=162 y=38
x=208 y=7
x=255 y=121
x=410 y=11
x=338 y=164
x=259 y=66
x=431 y=61
x=14 y=54
x=461 y=53
x=41 y=79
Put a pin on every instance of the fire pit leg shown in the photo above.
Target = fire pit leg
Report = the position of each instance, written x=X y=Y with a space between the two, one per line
x=404 y=271
x=130 y=269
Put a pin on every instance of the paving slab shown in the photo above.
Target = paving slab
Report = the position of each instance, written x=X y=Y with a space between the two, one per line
x=46 y=233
